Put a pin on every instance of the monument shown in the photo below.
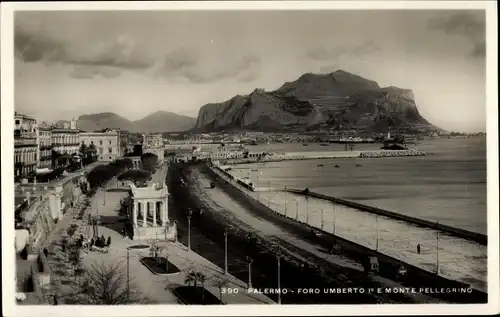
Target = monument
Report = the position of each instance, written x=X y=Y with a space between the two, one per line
x=148 y=211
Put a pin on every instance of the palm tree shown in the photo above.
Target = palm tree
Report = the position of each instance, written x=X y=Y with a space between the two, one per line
x=191 y=278
x=201 y=278
x=220 y=284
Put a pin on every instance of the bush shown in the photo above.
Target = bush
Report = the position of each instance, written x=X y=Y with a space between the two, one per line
x=149 y=161
x=24 y=253
x=135 y=176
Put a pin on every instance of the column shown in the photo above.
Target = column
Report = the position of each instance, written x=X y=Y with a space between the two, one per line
x=155 y=206
x=134 y=213
x=164 y=206
x=144 y=213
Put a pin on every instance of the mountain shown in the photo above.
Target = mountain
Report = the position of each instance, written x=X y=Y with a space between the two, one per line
x=338 y=100
x=164 y=121
x=160 y=121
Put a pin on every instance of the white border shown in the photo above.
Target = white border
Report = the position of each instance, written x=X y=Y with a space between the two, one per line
x=7 y=111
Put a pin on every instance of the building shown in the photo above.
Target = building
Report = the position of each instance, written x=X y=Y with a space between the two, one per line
x=25 y=145
x=124 y=142
x=152 y=140
x=66 y=138
x=107 y=143
x=153 y=143
x=44 y=146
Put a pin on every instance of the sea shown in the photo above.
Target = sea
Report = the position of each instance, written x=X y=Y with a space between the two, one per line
x=448 y=186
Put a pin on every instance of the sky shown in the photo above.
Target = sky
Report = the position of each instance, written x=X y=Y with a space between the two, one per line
x=134 y=63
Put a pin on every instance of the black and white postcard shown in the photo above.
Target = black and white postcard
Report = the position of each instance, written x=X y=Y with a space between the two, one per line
x=248 y=158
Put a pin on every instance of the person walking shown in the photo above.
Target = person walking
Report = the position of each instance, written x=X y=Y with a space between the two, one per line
x=418 y=248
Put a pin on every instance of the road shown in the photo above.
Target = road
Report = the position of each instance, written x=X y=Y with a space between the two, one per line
x=220 y=201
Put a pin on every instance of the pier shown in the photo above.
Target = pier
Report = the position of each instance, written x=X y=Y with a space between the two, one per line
x=460 y=233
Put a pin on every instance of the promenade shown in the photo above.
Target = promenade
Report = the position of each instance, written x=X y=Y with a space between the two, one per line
x=459 y=259
x=149 y=288
x=225 y=205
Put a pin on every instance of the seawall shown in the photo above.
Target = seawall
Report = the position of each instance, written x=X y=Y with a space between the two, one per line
x=417 y=277
x=298 y=156
x=461 y=233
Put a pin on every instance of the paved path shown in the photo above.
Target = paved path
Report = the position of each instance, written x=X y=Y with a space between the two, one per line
x=156 y=288
x=220 y=200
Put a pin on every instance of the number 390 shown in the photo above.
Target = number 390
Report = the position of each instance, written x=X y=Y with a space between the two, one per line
x=230 y=291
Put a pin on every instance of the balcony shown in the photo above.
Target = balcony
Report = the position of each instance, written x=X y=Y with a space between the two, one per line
x=45 y=147
x=22 y=142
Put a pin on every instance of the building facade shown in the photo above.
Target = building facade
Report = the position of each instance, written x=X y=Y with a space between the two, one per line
x=107 y=144
x=153 y=143
x=44 y=146
x=66 y=138
x=25 y=145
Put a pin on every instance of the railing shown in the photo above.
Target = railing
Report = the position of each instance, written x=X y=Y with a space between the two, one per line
x=24 y=142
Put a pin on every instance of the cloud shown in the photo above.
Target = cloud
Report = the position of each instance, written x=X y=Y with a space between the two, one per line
x=469 y=24
x=323 y=54
x=189 y=65
x=90 y=72
x=122 y=52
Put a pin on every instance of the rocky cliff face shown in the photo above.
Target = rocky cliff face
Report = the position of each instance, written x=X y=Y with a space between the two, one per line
x=336 y=100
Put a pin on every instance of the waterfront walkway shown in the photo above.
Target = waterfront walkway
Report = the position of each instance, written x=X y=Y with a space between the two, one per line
x=147 y=287
x=223 y=203
x=459 y=259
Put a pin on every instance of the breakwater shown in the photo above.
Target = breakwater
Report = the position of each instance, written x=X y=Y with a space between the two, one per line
x=417 y=277
x=392 y=153
x=461 y=233
x=297 y=156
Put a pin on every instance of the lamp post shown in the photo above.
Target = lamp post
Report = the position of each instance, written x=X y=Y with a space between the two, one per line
x=322 y=218
x=376 y=243
x=334 y=219
x=297 y=210
x=278 y=257
x=249 y=260
x=189 y=214
x=225 y=249
x=128 y=274
x=437 y=250
x=307 y=210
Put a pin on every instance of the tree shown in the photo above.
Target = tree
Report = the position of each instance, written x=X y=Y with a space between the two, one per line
x=149 y=161
x=191 y=277
x=155 y=250
x=106 y=284
x=220 y=284
x=136 y=176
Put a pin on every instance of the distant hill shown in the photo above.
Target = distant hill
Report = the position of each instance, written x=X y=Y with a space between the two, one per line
x=338 y=100
x=161 y=121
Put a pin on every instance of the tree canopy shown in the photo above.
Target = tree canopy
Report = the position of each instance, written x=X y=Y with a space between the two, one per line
x=149 y=161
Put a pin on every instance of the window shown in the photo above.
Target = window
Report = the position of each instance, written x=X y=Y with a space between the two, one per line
x=110 y=158
x=100 y=150
x=17 y=121
x=110 y=150
x=100 y=142
x=109 y=141
x=92 y=142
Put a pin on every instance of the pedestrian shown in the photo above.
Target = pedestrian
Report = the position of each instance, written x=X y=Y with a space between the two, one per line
x=46 y=252
x=54 y=297
x=92 y=242
x=418 y=248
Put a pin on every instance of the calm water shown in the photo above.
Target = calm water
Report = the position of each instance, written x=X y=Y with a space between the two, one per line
x=449 y=187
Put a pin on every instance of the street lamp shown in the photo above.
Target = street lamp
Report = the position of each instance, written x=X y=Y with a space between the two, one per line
x=278 y=257
x=225 y=249
x=437 y=249
x=322 y=218
x=189 y=214
x=249 y=260
x=376 y=245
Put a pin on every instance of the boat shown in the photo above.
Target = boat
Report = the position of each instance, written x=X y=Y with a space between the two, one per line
x=324 y=144
x=320 y=165
x=255 y=170
x=337 y=166
x=305 y=144
x=358 y=165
